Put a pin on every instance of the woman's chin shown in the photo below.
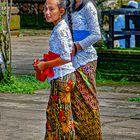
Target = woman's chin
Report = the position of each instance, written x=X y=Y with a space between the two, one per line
x=48 y=20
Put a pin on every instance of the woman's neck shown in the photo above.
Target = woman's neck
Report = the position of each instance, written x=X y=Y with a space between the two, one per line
x=56 y=22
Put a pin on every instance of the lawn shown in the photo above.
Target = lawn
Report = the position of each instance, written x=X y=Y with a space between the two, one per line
x=27 y=84
x=23 y=84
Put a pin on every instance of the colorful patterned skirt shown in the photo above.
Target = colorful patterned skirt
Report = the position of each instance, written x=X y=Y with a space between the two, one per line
x=85 y=106
x=59 y=124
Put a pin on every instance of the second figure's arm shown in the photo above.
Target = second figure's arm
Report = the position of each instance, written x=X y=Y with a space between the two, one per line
x=93 y=26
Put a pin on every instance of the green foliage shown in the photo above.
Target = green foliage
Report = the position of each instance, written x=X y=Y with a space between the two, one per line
x=120 y=64
x=101 y=45
x=135 y=99
x=3 y=13
x=5 y=42
x=100 y=4
x=118 y=71
x=22 y=84
x=110 y=81
x=28 y=84
x=1 y=23
x=1 y=27
x=2 y=4
x=34 y=21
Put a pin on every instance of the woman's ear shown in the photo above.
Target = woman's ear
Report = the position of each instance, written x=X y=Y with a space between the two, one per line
x=62 y=11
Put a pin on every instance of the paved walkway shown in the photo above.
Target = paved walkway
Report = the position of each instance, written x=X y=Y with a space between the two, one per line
x=25 y=49
x=22 y=117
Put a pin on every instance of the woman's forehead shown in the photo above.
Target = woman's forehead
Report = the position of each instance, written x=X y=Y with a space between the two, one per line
x=52 y=2
x=78 y=0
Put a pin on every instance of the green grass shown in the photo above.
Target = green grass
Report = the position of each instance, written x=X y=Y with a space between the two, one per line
x=122 y=82
x=27 y=84
x=135 y=99
x=23 y=84
x=128 y=49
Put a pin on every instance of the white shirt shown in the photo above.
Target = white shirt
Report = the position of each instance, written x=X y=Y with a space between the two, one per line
x=86 y=19
x=60 y=42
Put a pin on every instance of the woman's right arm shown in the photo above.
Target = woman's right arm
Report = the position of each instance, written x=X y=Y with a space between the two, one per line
x=52 y=63
x=64 y=49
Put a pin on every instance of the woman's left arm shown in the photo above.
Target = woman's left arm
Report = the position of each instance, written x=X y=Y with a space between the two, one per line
x=93 y=26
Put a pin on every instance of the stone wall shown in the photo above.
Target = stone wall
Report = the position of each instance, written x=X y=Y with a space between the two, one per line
x=15 y=19
x=119 y=64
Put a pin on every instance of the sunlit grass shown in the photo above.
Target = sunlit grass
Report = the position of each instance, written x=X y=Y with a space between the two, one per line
x=135 y=99
x=27 y=84
x=23 y=84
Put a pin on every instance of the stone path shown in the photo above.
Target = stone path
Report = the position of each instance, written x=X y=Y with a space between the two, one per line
x=25 y=49
x=22 y=116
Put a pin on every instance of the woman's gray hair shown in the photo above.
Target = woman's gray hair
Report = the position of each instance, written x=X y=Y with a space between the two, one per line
x=62 y=4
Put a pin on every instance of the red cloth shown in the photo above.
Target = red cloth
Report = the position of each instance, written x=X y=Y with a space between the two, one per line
x=48 y=72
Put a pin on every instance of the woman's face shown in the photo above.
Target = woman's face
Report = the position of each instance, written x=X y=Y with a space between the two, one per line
x=53 y=13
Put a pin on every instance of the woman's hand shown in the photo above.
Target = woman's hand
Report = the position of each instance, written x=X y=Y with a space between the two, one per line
x=36 y=61
x=75 y=48
x=41 y=65
x=74 y=51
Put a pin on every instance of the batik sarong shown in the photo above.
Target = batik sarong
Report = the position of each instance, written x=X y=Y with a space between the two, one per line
x=85 y=106
x=59 y=124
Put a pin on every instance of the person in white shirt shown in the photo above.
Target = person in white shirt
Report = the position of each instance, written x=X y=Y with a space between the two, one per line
x=85 y=29
x=59 y=116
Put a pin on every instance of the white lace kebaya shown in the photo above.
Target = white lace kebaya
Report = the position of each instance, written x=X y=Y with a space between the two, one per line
x=60 y=42
x=86 y=20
